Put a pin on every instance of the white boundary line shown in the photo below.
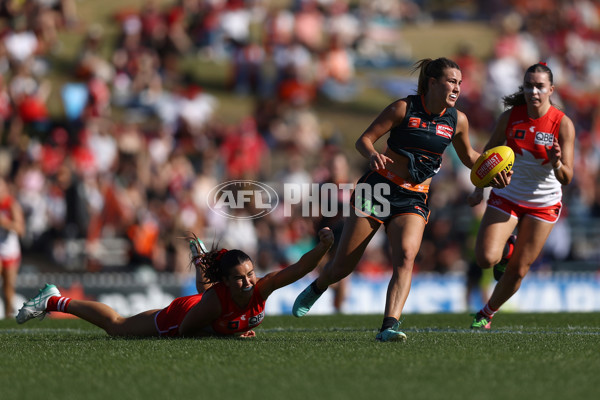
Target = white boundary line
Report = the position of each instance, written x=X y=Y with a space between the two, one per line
x=566 y=331
x=578 y=331
x=12 y=331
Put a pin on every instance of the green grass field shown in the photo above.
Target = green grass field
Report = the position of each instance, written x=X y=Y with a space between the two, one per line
x=525 y=356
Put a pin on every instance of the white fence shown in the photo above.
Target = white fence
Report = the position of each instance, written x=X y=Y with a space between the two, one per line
x=430 y=293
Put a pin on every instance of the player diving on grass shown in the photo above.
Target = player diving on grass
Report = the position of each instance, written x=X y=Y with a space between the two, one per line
x=420 y=127
x=230 y=300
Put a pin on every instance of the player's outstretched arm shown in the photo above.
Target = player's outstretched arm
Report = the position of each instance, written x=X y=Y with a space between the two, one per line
x=292 y=273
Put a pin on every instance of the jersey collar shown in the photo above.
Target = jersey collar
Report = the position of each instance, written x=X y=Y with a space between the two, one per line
x=429 y=112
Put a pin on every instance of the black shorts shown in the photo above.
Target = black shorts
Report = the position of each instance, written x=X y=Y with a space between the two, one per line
x=381 y=195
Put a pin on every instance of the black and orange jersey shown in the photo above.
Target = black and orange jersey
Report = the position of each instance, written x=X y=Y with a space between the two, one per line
x=422 y=137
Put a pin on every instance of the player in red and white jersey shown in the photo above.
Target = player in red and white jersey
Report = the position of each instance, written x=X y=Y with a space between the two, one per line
x=231 y=298
x=535 y=184
x=543 y=139
x=12 y=225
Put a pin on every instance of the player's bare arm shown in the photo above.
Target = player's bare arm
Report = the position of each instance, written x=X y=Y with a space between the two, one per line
x=292 y=273
x=461 y=142
x=390 y=116
x=561 y=153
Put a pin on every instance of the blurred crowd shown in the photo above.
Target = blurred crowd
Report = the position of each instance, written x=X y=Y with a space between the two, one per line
x=122 y=174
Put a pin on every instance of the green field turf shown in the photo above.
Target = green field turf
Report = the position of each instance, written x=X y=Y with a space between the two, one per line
x=525 y=356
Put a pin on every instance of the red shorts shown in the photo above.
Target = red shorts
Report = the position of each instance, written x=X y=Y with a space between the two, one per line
x=546 y=214
x=10 y=262
x=168 y=319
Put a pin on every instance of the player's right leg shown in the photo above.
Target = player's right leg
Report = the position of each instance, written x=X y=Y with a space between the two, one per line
x=495 y=229
x=49 y=299
x=36 y=306
x=507 y=253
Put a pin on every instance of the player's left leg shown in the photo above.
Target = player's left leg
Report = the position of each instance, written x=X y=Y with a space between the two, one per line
x=9 y=271
x=49 y=299
x=405 y=234
x=533 y=233
x=105 y=317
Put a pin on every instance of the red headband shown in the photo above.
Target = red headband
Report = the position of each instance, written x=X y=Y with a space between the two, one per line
x=220 y=254
x=543 y=63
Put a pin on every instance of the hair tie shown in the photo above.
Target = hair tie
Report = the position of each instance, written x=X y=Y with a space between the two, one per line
x=543 y=63
x=220 y=254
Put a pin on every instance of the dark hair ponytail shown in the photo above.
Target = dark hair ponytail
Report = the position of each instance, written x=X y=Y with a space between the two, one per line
x=429 y=68
x=518 y=98
x=216 y=264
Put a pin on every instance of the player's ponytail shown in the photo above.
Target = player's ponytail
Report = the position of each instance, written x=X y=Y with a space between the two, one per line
x=429 y=68
x=215 y=264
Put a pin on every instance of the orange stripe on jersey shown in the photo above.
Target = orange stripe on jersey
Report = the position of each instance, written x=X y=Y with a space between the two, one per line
x=403 y=183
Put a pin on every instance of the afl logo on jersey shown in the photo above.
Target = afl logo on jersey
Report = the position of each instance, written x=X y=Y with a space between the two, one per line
x=544 y=139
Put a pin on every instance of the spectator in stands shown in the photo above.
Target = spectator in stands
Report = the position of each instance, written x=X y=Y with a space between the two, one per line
x=12 y=228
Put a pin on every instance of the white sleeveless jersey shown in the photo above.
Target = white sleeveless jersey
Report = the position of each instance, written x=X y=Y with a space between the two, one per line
x=533 y=183
x=10 y=247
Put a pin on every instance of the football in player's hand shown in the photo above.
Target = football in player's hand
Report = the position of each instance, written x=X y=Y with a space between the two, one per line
x=490 y=163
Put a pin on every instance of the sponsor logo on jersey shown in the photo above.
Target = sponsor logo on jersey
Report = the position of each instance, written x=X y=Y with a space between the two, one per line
x=444 y=131
x=257 y=319
x=544 y=138
x=414 y=122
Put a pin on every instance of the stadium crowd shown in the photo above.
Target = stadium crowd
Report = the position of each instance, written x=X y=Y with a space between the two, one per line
x=127 y=168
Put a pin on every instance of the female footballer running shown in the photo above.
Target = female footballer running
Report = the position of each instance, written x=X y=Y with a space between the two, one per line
x=543 y=139
x=420 y=127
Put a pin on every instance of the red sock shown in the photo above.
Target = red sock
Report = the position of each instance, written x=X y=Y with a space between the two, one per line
x=58 y=303
x=488 y=311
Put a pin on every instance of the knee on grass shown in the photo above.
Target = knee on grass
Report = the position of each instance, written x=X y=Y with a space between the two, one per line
x=116 y=327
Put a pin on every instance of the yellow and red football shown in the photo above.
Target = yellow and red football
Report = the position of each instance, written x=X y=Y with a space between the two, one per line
x=490 y=163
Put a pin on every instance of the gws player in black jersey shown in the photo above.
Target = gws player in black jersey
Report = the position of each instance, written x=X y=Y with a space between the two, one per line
x=394 y=192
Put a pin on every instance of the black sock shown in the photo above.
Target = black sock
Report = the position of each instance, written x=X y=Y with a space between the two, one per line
x=316 y=288
x=388 y=322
